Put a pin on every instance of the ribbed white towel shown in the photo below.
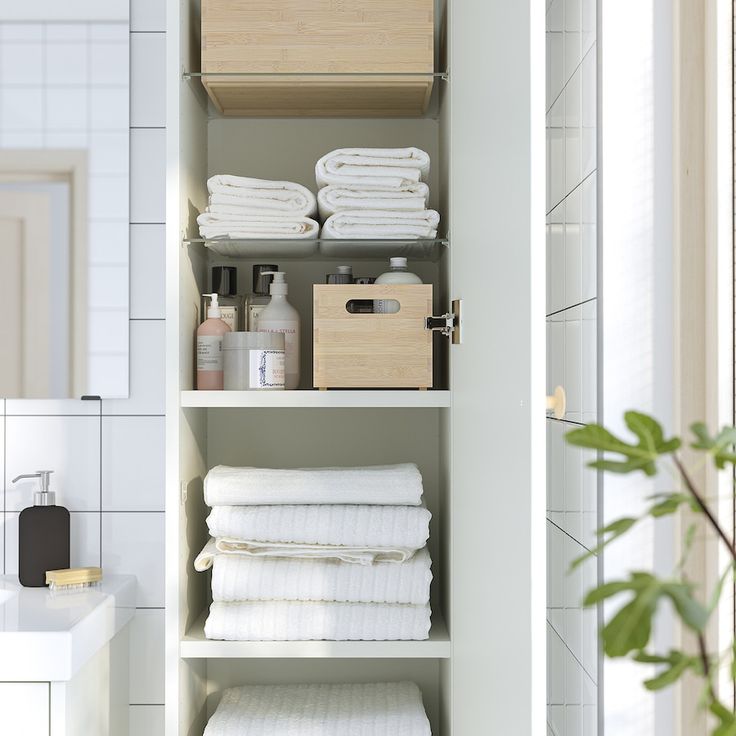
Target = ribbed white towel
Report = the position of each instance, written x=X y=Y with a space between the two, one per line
x=335 y=197
x=263 y=196
x=399 y=485
x=239 y=578
x=316 y=620
x=381 y=224
x=388 y=168
x=264 y=227
x=374 y=709
x=340 y=525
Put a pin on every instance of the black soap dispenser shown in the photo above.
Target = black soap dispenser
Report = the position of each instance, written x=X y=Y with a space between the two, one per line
x=43 y=535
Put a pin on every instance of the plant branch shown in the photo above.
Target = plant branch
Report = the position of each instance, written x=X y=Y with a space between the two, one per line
x=704 y=507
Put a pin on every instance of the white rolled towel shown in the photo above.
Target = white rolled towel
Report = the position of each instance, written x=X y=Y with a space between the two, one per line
x=381 y=224
x=262 y=227
x=336 y=197
x=317 y=620
x=386 y=168
x=371 y=709
x=398 y=485
x=239 y=578
x=381 y=528
x=262 y=196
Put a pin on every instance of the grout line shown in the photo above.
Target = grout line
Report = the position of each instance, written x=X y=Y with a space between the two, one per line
x=572 y=306
x=572 y=74
x=566 y=533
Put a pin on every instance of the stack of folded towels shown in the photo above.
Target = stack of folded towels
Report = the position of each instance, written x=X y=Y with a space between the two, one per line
x=374 y=709
x=319 y=553
x=375 y=193
x=241 y=207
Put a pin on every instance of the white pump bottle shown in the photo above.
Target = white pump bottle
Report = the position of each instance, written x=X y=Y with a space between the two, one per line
x=280 y=316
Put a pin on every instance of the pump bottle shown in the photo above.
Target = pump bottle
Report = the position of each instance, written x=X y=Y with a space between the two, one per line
x=210 y=361
x=43 y=535
x=280 y=316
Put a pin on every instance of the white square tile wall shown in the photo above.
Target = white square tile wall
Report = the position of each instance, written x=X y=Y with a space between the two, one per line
x=572 y=332
x=109 y=478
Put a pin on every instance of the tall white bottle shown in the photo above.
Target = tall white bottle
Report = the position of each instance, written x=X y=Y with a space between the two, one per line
x=280 y=316
x=398 y=273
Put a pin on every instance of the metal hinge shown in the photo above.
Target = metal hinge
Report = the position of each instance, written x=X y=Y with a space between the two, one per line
x=448 y=324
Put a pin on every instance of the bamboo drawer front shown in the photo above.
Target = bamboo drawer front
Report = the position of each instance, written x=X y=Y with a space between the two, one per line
x=318 y=37
x=372 y=350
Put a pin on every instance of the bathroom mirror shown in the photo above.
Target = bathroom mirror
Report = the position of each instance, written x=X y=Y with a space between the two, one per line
x=64 y=203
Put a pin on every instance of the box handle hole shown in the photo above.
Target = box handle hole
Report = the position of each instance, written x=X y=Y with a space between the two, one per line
x=372 y=306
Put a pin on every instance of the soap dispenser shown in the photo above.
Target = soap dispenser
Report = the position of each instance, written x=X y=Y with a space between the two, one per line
x=43 y=535
x=210 y=363
x=280 y=316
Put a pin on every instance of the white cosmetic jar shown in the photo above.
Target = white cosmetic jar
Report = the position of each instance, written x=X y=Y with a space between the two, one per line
x=253 y=361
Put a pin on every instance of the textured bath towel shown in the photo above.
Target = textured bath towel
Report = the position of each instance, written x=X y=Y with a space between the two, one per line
x=386 y=168
x=374 y=709
x=381 y=224
x=399 y=485
x=403 y=527
x=240 y=578
x=316 y=620
x=262 y=196
x=264 y=227
x=335 y=197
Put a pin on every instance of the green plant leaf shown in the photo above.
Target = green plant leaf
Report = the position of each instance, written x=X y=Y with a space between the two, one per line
x=721 y=447
x=646 y=658
x=614 y=530
x=640 y=456
x=693 y=614
x=669 y=503
x=680 y=664
x=631 y=627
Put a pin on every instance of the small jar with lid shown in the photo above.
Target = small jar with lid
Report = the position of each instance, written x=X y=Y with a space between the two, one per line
x=254 y=361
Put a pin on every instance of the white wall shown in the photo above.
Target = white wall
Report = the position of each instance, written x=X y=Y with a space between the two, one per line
x=109 y=457
x=572 y=310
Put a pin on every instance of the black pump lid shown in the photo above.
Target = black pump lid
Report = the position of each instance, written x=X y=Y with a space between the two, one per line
x=261 y=282
x=225 y=280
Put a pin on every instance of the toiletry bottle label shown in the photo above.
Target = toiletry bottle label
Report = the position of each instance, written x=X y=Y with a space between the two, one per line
x=229 y=315
x=267 y=369
x=254 y=312
x=209 y=353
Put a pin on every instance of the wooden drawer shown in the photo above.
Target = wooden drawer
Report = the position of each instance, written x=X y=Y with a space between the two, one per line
x=372 y=350
x=344 y=37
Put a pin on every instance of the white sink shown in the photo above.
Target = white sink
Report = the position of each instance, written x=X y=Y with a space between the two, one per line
x=47 y=636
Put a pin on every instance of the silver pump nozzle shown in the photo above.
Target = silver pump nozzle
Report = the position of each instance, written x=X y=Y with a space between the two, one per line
x=44 y=497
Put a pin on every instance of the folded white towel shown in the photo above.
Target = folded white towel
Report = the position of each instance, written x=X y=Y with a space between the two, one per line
x=239 y=578
x=335 y=197
x=399 y=485
x=373 y=709
x=383 y=527
x=361 y=555
x=362 y=224
x=264 y=227
x=262 y=195
x=389 y=168
x=316 y=620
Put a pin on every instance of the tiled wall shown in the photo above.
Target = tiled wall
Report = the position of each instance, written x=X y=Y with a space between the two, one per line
x=109 y=457
x=65 y=86
x=571 y=361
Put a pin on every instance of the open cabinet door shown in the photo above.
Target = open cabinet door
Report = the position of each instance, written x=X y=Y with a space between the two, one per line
x=497 y=179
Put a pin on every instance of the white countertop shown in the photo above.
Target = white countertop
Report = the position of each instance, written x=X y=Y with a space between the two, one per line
x=47 y=636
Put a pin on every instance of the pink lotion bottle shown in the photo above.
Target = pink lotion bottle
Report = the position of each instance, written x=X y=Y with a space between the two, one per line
x=209 y=348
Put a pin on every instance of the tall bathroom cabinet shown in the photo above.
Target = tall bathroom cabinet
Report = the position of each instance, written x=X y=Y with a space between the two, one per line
x=477 y=436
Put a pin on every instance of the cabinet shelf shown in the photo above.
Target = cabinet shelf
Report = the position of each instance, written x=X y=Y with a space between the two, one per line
x=324 y=248
x=333 y=399
x=275 y=75
x=438 y=646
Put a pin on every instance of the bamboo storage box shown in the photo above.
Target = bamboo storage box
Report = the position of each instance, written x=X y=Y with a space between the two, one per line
x=366 y=38
x=372 y=350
